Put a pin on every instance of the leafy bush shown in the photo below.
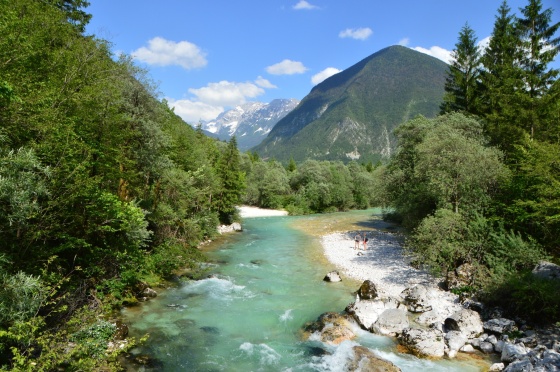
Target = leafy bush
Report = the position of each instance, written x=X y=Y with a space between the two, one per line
x=525 y=295
x=21 y=295
x=95 y=338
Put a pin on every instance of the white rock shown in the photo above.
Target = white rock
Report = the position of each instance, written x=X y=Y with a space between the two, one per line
x=496 y=367
x=390 y=322
x=467 y=349
x=455 y=340
x=423 y=342
x=465 y=321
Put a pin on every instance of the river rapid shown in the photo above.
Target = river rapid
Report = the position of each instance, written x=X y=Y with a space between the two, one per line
x=265 y=284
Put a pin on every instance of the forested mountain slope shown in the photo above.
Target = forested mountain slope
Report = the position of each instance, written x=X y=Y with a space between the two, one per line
x=352 y=114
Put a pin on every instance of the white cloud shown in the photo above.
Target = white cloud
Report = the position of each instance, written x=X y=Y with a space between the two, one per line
x=302 y=4
x=286 y=67
x=211 y=100
x=227 y=93
x=326 y=73
x=404 y=41
x=161 y=52
x=264 y=83
x=192 y=112
x=438 y=52
x=357 y=33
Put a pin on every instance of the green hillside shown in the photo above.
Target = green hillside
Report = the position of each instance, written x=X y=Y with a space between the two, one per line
x=352 y=114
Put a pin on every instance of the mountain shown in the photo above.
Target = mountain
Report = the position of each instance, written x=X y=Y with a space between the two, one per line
x=250 y=122
x=351 y=115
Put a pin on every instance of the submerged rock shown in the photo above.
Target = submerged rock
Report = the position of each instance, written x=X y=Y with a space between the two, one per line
x=333 y=277
x=330 y=328
x=366 y=360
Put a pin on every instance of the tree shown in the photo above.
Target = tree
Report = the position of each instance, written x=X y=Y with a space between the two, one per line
x=441 y=163
x=461 y=85
x=541 y=47
x=461 y=172
x=501 y=81
x=232 y=179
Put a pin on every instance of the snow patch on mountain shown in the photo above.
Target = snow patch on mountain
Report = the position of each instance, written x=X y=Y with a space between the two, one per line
x=250 y=122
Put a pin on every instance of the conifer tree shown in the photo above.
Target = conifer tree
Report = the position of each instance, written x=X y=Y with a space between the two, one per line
x=462 y=81
x=500 y=80
x=233 y=181
x=540 y=46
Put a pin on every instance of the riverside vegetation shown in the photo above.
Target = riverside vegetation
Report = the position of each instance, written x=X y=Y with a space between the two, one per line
x=104 y=190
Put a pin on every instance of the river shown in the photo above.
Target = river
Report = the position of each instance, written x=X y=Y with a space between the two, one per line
x=266 y=284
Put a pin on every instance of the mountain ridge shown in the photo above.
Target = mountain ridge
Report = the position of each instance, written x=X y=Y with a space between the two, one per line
x=351 y=115
x=249 y=122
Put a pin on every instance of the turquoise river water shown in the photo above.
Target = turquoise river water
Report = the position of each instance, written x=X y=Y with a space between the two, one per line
x=266 y=284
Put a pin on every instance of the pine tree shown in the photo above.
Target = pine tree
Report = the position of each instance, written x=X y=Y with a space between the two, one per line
x=233 y=181
x=461 y=84
x=541 y=47
x=500 y=80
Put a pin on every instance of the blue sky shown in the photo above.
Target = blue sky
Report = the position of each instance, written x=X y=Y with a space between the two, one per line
x=209 y=56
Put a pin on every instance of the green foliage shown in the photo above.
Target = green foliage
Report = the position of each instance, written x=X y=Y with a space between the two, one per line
x=461 y=85
x=95 y=337
x=438 y=241
x=525 y=295
x=21 y=296
x=441 y=163
x=95 y=170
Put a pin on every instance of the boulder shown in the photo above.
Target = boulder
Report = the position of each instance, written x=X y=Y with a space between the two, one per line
x=486 y=347
x=547 y=270
x=331 y=328
x=523 y=365
x=423 y=342
x=460 y=277
x=366 y=312
x=430 y=317
x=466 y=321
x=333 y=277
x=149 y=293
x=121 y=330
x=496 y=367
x=390 y=322
x=499 y=326
x=223 y=229
x=416 y=299
x=550 y=358
x=455 y=340
x=364 y=359
x=367 y=291
x=467 y=349
x=512 y=352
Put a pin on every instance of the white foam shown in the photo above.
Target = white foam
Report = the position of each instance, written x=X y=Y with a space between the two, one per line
x=286 y=316
x=218 y=288
x=266 y=354
x=335 y=362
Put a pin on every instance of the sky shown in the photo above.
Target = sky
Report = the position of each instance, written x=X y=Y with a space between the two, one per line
x=208 y=56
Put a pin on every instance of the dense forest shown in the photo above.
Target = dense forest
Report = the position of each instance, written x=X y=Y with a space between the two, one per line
x=105 y=191
x=479 y=186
